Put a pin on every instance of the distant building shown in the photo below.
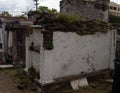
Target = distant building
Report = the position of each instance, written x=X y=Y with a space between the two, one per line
x=114 y=8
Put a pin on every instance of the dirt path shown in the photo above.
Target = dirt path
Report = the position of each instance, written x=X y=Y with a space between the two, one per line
x=7 y=85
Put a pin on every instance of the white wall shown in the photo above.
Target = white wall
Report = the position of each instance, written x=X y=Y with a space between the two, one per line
x=10 y=39
x=113 y=47
x=1 y=38
x=74 y=54
x=32 y=57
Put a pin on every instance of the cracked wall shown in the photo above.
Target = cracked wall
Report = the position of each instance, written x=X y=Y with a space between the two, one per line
x=74 y=55
x=91 y=9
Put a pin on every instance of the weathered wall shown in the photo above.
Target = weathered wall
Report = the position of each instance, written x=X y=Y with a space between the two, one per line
x=113 y=47
x=32 y=57
x=1 y=42
x=85 y=8
x=1 y=39
x=74 y=55
x=10 y=39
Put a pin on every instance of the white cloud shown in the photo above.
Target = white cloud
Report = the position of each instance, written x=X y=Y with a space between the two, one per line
x=50 y=3
x=19 y=6
x=15 y=6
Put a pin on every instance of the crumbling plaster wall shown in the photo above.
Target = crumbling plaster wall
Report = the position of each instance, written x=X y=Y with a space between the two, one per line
x=74 y=55
x=1 y=39
x=84 y=8
x=32 y=57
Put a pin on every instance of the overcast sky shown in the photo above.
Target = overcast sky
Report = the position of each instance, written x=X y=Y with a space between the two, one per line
x=18 y=6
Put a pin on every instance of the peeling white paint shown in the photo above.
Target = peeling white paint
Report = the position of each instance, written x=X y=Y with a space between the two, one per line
x=32 y=57
x=10 y=39
x=72 y=54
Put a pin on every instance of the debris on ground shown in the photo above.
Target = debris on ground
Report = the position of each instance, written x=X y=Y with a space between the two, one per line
x=8 y=82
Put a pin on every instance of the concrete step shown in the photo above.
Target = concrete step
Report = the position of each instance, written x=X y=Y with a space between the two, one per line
x=6 y=66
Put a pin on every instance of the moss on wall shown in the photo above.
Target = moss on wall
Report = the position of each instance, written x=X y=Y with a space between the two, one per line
x=48 y=40
x=66 y=23
x=114 y=19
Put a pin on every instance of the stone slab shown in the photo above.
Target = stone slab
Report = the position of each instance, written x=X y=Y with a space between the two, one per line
x=6 y=66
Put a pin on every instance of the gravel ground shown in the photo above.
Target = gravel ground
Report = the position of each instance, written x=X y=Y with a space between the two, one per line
x=7 y=85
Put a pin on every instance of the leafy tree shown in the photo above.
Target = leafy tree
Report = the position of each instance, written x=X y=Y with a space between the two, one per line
x=44 y=9
x=114 y=19
x=21 y=16
x=54 y=11
x=5 y=13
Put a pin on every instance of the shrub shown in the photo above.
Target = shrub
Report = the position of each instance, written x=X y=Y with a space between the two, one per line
x=44 y=9
x=33 y=73
x=69 y=19
x=114 y=19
